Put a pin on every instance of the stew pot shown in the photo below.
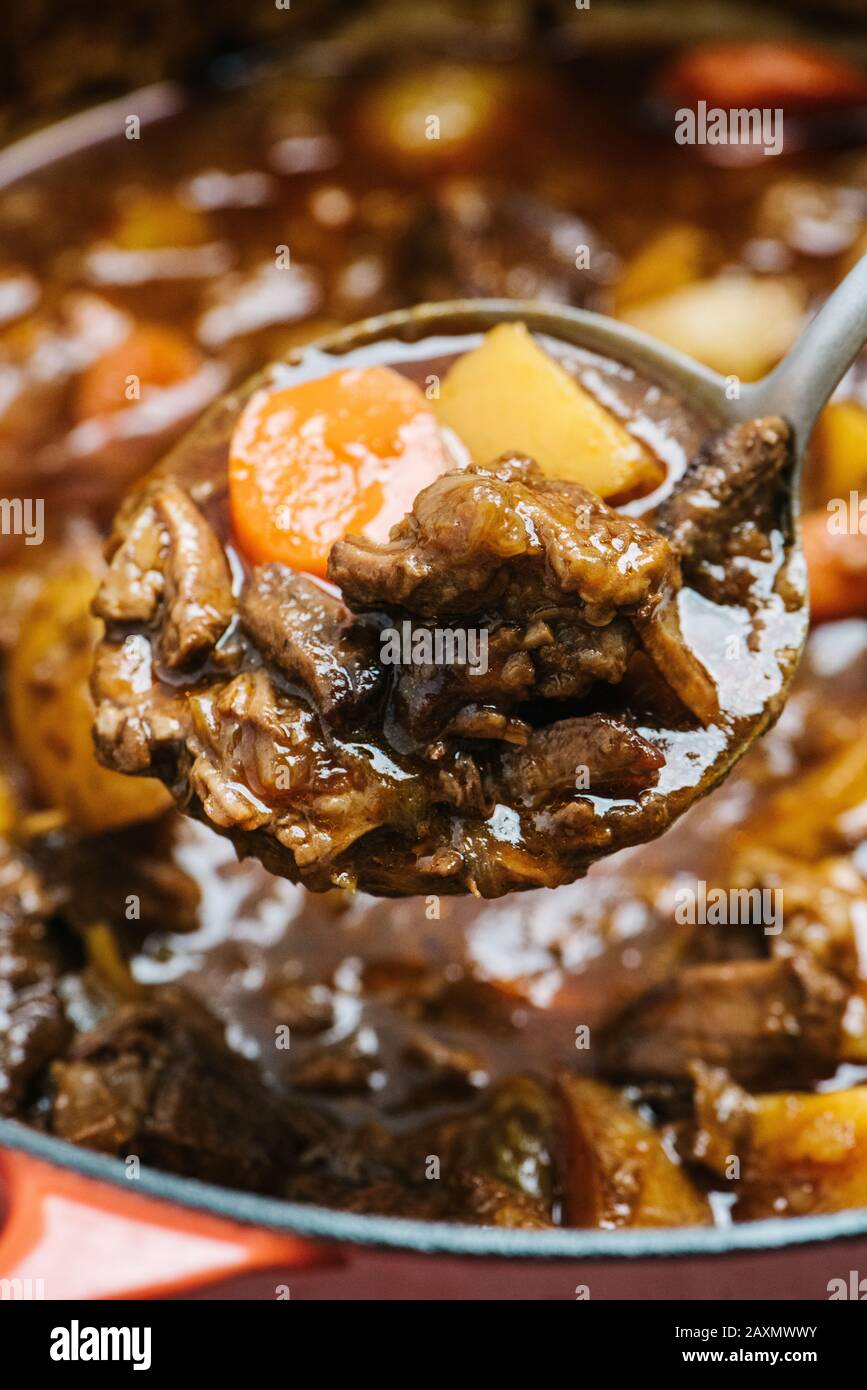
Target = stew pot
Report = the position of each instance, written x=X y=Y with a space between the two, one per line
x=75 y=1225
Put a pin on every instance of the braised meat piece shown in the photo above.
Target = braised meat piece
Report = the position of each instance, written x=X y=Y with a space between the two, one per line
x=721 y=485
x=261 y=761
x=140 y=721
x=598 y=754
x=498 y=1166
x=569 y=666
x=313 y=639
x=503 y=537
x=549 y=660
x=432 y=698
x=761 y=1020
x=554 y=563
x=502 y=242
x=168 y=559
x=374 y=743
x=157 y=1080
x=34 y=1026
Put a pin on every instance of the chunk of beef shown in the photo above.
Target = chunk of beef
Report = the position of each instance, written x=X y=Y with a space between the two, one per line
x=482 y=1200
x=550 y=660
x=595 y=754
x=429 y=697
x=505 y=243
x=498 y=1165
x=157 y=1080
x=90 y=877
x=33 y=1026
x=575 y=582
x=167 y=557
x=579 y=655
x=34 y=1030
x=28 y=954
x=262 y=762
x=481 y=538
x=139 y=720
x=721 y=1122
x=763 y=1020
x=501 y=1164
x=133 y=587
x=461 y=783
x=311 y=636
x=719 y=488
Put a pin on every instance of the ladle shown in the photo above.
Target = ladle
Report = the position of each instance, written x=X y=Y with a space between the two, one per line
x=753 y=688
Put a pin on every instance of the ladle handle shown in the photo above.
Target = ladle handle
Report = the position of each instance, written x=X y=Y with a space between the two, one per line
x=800 y=385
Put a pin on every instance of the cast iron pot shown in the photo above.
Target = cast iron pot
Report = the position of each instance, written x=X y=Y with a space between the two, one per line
x=78 y=1227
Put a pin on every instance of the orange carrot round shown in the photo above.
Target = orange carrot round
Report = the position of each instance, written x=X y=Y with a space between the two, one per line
x=342 y=454
x=763 y=72
x=837 y=567
x=154 y=354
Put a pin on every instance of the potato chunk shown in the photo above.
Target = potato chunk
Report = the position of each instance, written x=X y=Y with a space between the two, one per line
x=808 y=1154
x=842 y=438
x=436 y=116
x=509 y=396
x=671 y=259
x=737 y=324
x=619 y=1172
x=786 y=1153
x=51 y=711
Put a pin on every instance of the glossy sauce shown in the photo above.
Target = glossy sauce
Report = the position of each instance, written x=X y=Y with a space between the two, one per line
x=509 y=981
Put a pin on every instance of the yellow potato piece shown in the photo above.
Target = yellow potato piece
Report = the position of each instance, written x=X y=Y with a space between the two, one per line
x=619 y=1172
x=509 y=396
x=51 y=711
x=674 y=257
x=8 y=807
x=739 y=325
x=803 y=819
x=819 y=1140
x=842 y=439
x=435 y=115
x=107 y=959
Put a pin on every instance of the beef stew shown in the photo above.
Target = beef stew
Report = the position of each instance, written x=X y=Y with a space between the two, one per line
x=595 y=1055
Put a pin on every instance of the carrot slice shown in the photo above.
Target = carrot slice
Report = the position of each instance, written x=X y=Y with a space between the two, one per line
x=154 y=354
x=345 y=453
x=837 y=567
x=765 y=72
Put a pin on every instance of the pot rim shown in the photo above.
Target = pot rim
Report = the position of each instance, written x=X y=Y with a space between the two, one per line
x=437 y=1237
